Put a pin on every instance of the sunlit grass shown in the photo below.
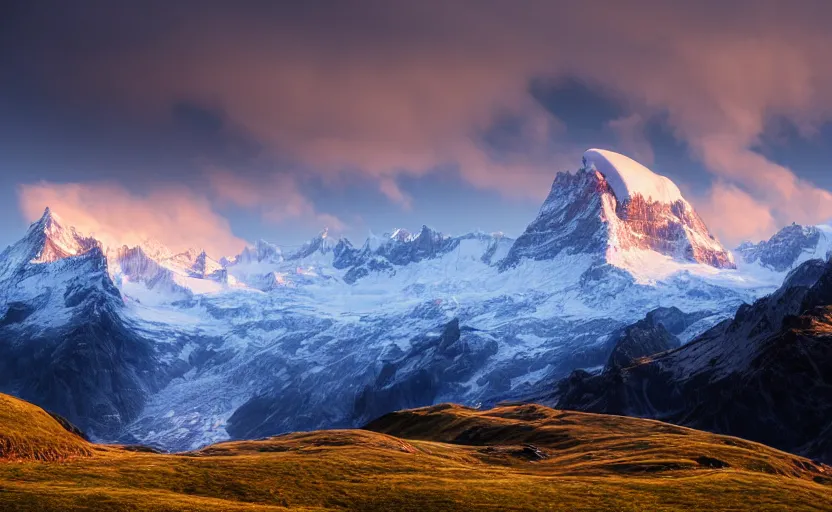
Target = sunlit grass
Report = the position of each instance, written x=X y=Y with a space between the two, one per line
x=452 y=459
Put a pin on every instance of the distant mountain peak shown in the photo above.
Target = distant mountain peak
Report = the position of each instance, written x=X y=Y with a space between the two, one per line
x=155 y=249
x=320 y=245
x=401 y=235
x=789 y=247
x=49 y=240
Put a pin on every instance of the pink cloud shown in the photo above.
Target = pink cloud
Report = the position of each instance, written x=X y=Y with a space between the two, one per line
x=277 y=198
x=390 y=188
x=407 y=91
x=787 y=198
x=114 y=215
x=229 y=188
x=630 y=133
x=735 y=216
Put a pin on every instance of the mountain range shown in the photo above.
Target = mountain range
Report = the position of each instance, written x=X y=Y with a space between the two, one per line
x=179 y=350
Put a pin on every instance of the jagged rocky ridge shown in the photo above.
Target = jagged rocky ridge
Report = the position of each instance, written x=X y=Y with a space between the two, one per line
x=789 y=247
x=763 y=375
x=378 y=254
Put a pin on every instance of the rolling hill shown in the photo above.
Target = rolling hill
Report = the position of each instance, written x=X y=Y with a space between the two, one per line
x=444 y=457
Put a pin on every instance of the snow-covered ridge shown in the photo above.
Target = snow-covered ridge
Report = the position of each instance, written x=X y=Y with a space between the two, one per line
x=322 y=256
x=613 y=208
x=59 y=242
x=788 y=248
x=628 y=178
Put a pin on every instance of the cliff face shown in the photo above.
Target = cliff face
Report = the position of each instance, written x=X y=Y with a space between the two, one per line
x=134 y=265
x=570 y=219
x=673 y=229
x=590 y=212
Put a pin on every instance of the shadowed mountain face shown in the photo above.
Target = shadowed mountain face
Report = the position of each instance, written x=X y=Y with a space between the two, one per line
x=764 y=375
x=569 y=220
x=660 y=330
x=436 y=366
x=645 y=338
x=63 y=341
x=92 y=368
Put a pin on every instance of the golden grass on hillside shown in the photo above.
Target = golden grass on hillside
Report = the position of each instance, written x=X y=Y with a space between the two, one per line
x=29 y=432
x=453 y=458
x=588 y=443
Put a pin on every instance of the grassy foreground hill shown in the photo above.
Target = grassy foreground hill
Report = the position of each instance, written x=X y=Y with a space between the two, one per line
x=437 y=458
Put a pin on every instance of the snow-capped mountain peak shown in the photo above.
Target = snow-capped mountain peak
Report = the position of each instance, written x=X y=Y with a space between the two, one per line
x=317 y=246
x=155 y=249
x=205 y=266
x=373 y=242
x=628 y=178
x=622 y=212
x=262 y=251
x=46 y=241
x=56 y=242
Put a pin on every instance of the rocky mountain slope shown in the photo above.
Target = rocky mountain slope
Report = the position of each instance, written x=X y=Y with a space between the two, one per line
x=643 y=338
x=763 y=375
x=789 y=247
x=140 y=344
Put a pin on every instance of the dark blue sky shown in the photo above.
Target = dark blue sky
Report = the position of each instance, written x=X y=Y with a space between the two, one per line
x=211 y=125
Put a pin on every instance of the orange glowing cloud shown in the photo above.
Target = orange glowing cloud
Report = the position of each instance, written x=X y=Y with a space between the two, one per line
x=776 y=196
x=734 y=215
x=175 y=217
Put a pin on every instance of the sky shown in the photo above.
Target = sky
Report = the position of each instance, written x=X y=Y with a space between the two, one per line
x=211 y=124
